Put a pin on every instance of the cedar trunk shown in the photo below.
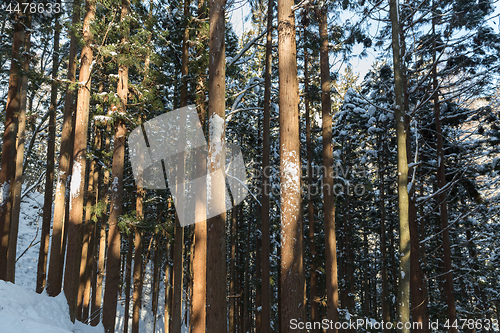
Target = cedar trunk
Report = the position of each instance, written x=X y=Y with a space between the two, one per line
x=71 y=276
x=216 y=230
x=21 y=137
x=266 y=242
x=328 y=194
x=292 y=284
x=116 y=195
x=55 y=272
x=49 y=175
x=404 y=230
x=7 y=170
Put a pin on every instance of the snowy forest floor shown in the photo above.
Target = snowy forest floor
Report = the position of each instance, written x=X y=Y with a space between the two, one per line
x=23 y=310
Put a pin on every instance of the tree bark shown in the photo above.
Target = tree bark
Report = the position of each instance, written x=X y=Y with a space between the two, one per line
x=71 y=276
x=128 y=276
x=116 y=203
x=386 y=313
x=292 y=286
x=265 y=229
x=7 y=170
x=216 y=230
x=56 y=263
x=328 y=193
x=49 y=175
x=21 y=137
x=404 y=230
x=313 y=279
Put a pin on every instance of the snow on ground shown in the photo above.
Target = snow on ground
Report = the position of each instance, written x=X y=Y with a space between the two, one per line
x=23 y=310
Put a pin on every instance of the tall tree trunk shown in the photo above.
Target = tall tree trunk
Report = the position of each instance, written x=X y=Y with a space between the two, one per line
x=21 y=137
x=313 y=279
x=116 y=203
x=404 y=230
x=56 y=263
x=216 y=230
x=328 y=193
x=179 y=231
x=443 y=196
x=49 y=175
x=72 y=270
x=198 y=314
x=7 y=170
x=265 y=229
x=291 y=251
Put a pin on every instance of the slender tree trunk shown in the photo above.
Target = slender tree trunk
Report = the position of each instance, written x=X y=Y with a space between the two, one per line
x=216 y=230
x=246 y=285
x=198 y=314
x=96 y=305
x=291 y=236
x=128 y=276
x=49 y=175
x=7 y=170
x=404 y=230
x=443 y=196
x=137 y=296
x=168 y=289
x=116 y=203
x=179 y=231
x=156 y=279
x=21 y=137
x=265 y=229
x=232 y=273
x=313 y=279
x=71 y=276
x=177 y=284
x=56 y=263
x=386 y=313
x=98 y=229
x=328 y=193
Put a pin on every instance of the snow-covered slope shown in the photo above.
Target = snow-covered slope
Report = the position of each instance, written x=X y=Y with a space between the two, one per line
x=24 y=311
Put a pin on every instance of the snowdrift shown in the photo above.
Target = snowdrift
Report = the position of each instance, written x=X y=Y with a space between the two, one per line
x=24 y=311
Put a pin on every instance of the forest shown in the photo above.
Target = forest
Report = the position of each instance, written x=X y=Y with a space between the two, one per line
x=317 y=199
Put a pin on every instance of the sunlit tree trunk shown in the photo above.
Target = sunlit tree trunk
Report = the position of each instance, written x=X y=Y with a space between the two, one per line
x=265 y=229
x=56 y=263
x=116 y=191
x=216 y=229
x=292 y=285
x=72 y=270
x=404 y=230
